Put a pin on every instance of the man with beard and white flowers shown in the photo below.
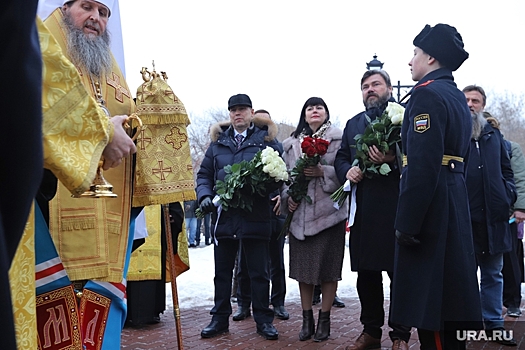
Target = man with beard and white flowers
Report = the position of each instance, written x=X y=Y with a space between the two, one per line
x=492 y=192
x=91 y=235
x=435 y=285
x=233 y=141
x=372 y=236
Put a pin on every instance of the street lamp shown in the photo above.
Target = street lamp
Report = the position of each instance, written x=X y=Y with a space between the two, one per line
x=376 y=64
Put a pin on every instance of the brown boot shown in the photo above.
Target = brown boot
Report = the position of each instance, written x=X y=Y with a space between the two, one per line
x=365 y=342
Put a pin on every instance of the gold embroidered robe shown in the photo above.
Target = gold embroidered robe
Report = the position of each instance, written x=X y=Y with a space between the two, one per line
x=75 y=132
x=91 y=235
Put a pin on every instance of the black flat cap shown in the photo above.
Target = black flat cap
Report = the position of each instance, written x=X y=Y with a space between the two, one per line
x=239 y=100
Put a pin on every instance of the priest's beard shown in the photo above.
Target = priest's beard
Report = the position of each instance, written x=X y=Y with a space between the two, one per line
x=93 y=53
x=478 y=123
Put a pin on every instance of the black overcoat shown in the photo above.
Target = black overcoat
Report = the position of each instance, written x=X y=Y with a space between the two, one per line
x=435 y=281
x=237 y=223
x=372 y=235
x=498 y=188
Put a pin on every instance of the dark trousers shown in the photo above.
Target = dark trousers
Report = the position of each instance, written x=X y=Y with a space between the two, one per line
x=438 y=340
x=277 y=273
x=513 y=271
x=206 y=221
x=370 y=291
x=255 y=252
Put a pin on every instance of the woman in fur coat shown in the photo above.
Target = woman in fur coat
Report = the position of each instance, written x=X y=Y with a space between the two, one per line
x=317 y=230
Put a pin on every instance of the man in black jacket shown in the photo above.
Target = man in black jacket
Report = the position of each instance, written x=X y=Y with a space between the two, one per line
x=232 y=142
x=372 y=236
x=277 y=269
x=490 y=201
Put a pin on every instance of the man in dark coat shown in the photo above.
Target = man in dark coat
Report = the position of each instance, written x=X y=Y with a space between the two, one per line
x=490 y=201
x=277 y=271
x=372 y=236
x=232 y=142
x=435 y=281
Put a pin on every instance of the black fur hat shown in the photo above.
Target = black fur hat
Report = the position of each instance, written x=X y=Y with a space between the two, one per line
x=444 y=43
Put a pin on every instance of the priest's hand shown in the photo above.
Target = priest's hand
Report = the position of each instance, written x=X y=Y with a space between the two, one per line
x=406 y=240
x=120 y=147
x=207 y=205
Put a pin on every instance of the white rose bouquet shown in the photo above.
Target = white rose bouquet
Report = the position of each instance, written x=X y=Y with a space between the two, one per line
x=243 y=180
x=382 y=132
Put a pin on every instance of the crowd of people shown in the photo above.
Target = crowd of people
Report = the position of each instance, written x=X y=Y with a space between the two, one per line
x=437 y=224
x=452 y=202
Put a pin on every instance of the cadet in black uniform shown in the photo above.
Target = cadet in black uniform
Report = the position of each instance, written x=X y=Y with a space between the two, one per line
x=435 y=280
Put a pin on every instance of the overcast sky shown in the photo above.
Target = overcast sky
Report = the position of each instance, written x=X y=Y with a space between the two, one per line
x=282 y=52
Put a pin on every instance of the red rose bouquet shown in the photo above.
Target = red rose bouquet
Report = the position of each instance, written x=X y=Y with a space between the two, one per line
x=313 y=148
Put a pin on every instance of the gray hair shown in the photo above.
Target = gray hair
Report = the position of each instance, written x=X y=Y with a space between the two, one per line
x=93 y=54
x=478 y=123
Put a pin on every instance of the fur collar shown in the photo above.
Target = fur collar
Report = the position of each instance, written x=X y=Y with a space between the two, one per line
x=220 y=127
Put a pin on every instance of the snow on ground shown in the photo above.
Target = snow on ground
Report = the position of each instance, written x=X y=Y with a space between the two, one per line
x=195 y=287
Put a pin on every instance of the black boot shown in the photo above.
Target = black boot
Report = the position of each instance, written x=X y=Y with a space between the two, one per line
x=323 y=326
x=308 y=325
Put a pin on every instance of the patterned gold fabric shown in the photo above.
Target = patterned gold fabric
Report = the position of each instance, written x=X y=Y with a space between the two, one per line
x=91 y=235
x=75 y=130
x=23 y=293
x=145 y=263
x=182 y=258
x=164 y=172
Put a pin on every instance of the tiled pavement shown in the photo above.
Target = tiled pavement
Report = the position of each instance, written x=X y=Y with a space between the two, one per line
x=345 y=327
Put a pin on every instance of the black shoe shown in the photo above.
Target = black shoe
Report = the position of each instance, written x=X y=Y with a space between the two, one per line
x=268 y=331
x=214 y=329
x=207 y=242
x=281 y=313
x=241 y=313
x=338 y=302
x=501 y=337
x=513 y=312
x=192 y=245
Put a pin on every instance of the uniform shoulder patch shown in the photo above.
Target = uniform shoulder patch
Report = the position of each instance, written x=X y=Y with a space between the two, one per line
x=422 y=123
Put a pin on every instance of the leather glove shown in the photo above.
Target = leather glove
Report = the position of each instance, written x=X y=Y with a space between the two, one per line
x=207 y=205
x=406 y=240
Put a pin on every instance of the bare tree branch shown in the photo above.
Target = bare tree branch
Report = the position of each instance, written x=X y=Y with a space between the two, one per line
x=509 y=109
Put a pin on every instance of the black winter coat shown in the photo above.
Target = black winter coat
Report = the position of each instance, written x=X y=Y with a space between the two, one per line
x=435 y=281
x=236 y=223
x=372 y=236
x=493 y=166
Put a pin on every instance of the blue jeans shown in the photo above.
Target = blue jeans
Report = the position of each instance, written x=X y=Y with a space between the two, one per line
x=191 y=228
x=491 y=289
